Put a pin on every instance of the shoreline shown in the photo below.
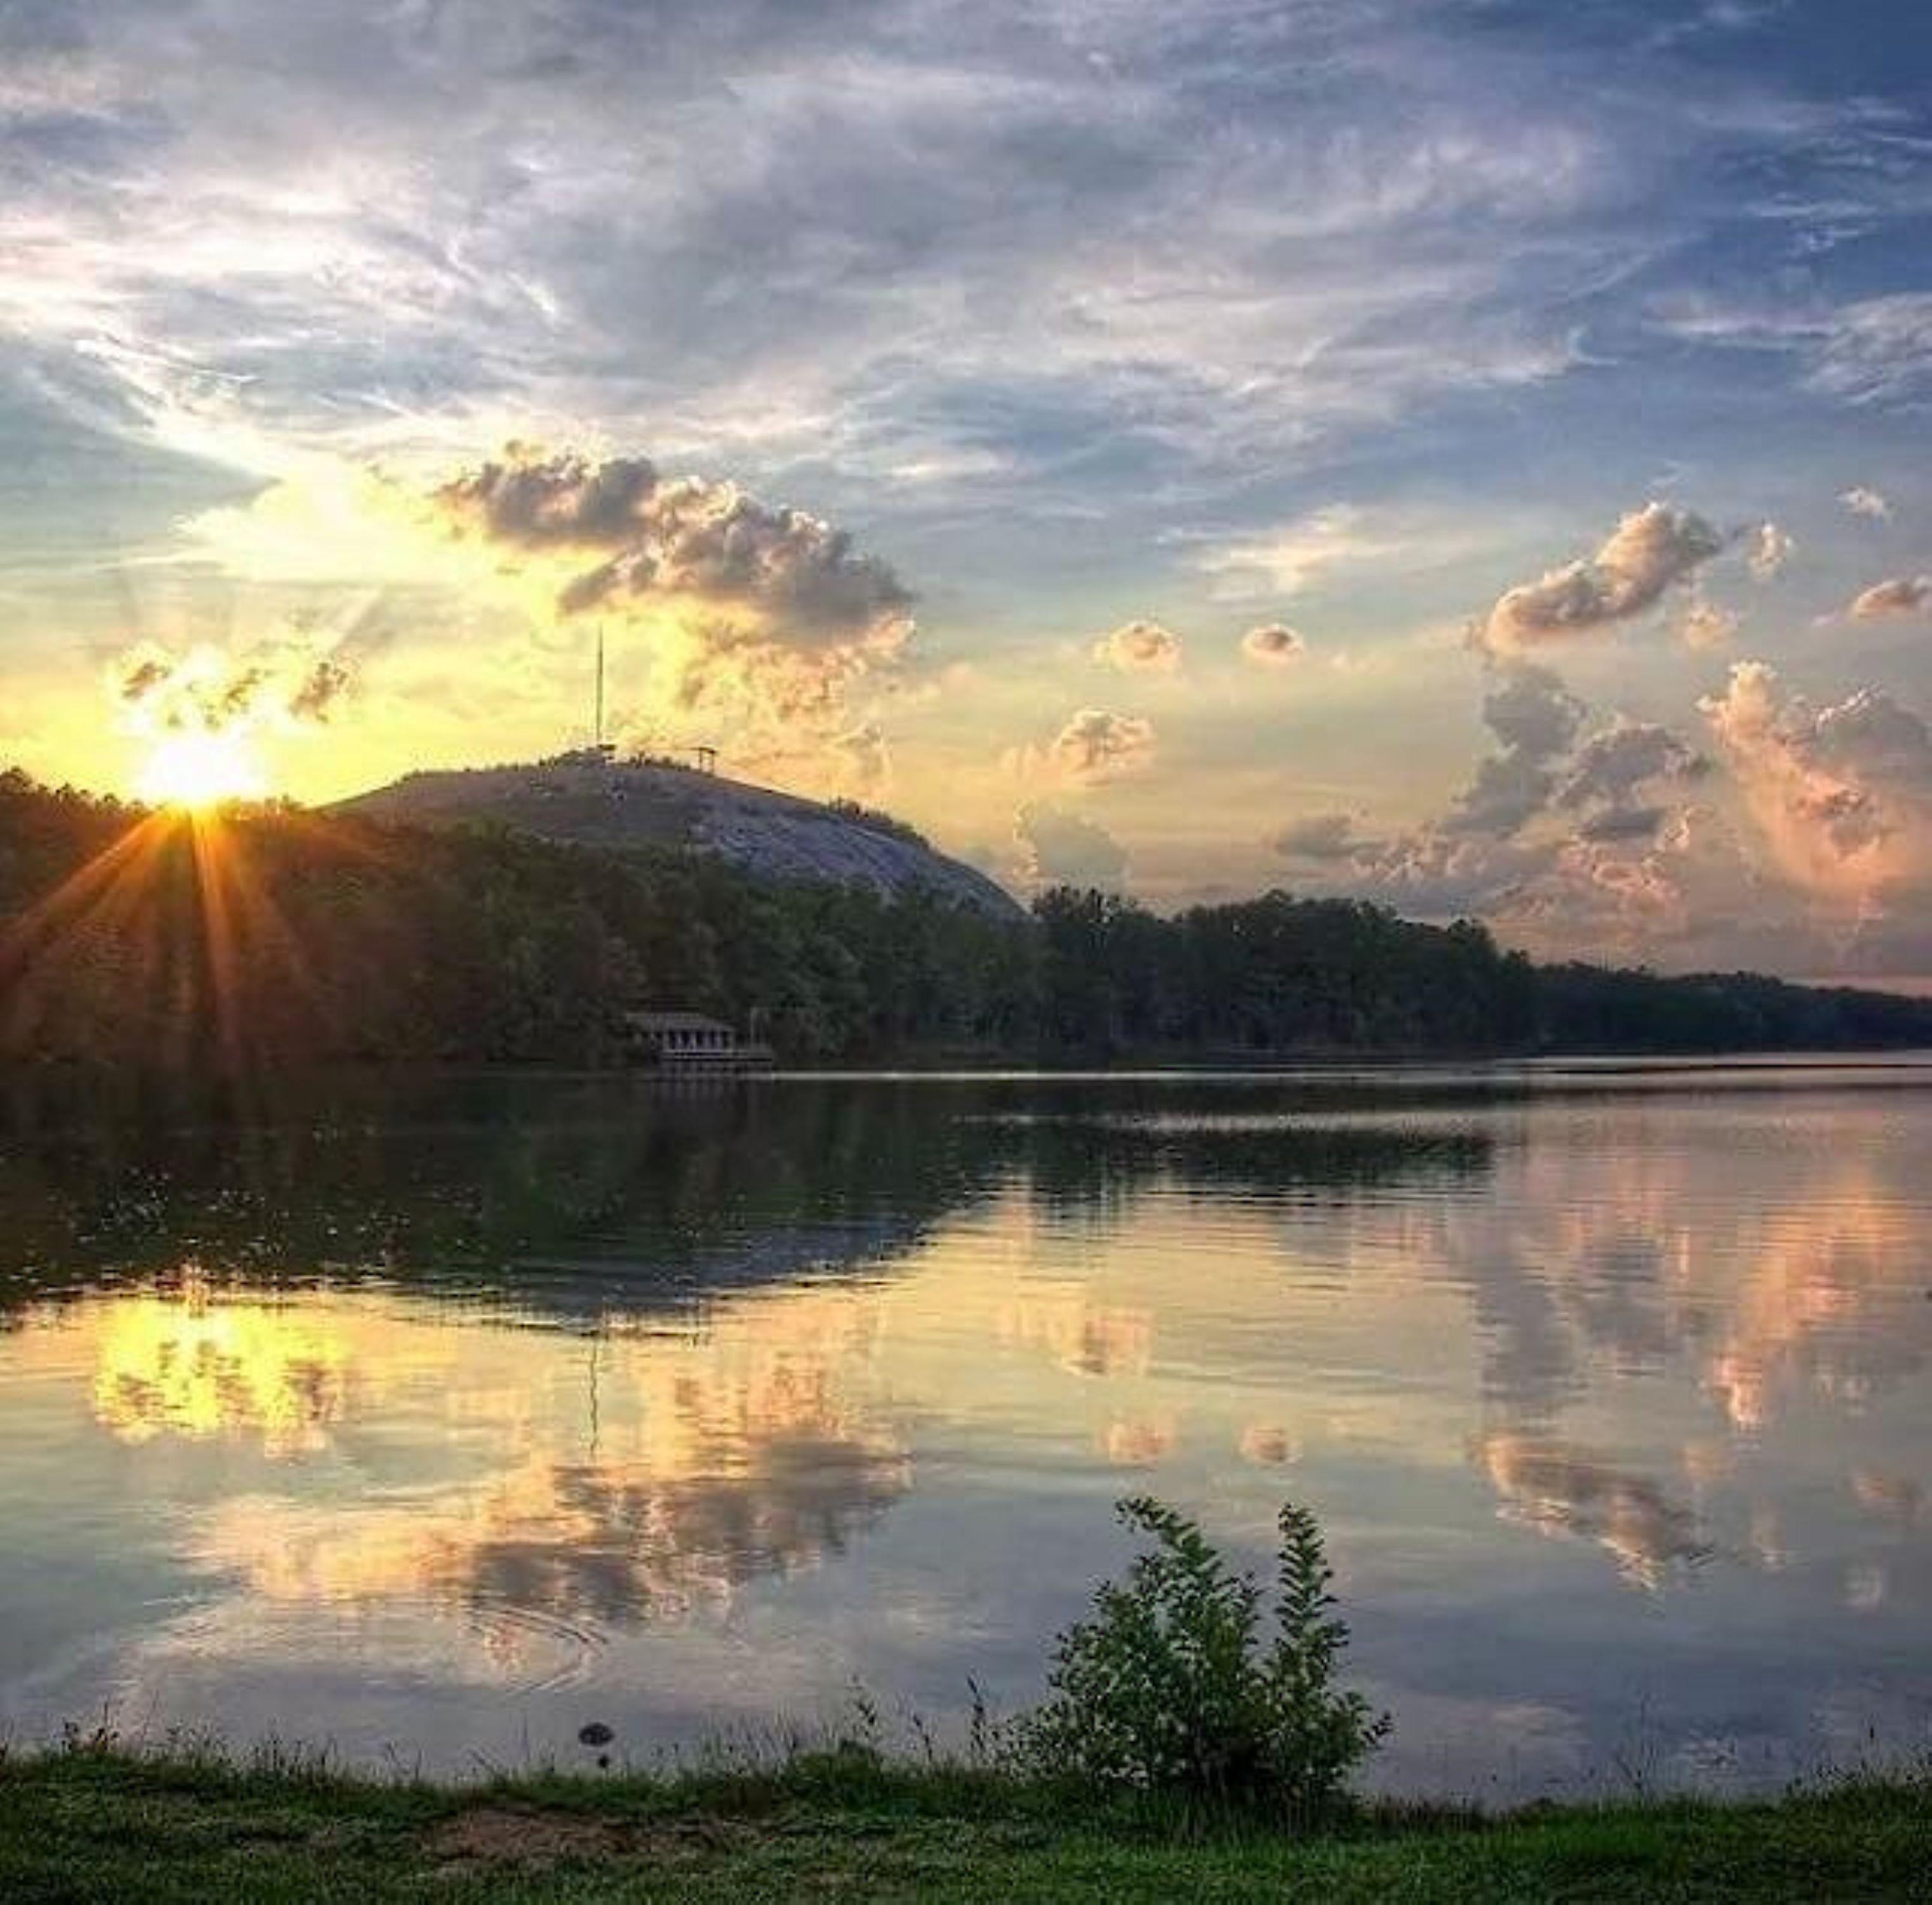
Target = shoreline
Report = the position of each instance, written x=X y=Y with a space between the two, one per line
x=96 y=1821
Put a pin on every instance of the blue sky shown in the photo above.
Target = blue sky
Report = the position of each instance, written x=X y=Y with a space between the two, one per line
x=1343 y=316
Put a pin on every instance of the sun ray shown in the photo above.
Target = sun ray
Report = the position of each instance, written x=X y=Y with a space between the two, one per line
x=101 y=894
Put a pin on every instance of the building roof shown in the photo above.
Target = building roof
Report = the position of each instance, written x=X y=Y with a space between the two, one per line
x=674 y=1021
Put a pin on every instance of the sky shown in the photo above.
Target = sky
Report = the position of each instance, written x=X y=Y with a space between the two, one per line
x=1466 y=453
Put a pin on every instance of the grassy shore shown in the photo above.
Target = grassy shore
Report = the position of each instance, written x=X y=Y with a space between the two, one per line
x=95 y=1825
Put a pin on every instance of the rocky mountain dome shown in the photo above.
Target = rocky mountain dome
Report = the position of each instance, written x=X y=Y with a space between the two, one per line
x=597 y=800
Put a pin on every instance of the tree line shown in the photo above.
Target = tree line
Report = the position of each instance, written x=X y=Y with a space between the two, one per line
x=274 y=935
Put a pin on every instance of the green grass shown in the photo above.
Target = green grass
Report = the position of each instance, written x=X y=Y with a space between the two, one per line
x=109 y=1825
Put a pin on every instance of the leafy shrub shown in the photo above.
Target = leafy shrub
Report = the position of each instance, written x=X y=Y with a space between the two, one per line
x=1170 y=1687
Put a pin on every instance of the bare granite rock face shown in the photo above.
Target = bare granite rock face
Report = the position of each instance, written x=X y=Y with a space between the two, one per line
x=600 y=801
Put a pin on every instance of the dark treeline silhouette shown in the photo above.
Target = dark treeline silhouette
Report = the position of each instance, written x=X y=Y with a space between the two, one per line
x=277 y=935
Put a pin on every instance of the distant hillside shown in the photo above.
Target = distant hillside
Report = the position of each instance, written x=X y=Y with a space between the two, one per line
x=596 y=801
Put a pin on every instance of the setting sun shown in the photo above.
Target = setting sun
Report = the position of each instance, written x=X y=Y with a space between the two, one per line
x=202 y=770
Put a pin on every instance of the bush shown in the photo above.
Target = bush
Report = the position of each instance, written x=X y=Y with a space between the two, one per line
x=1168 y=1688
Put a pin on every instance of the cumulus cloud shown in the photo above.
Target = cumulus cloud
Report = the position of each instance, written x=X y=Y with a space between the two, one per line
x=1617 y=824
x=1273 y=644
x=1767 y=549
x=1558 y=836
x=1060 y=847
x=1530 y=711
x=1862 y=500
x=1139 y=647
x=1804 y=845
x=1708 y=624
x=1898 y=595
x=1651 y=549
x=1535 y=717
x=1321 y=839
x=1842 y=795
x=1619 y=761
x=759 y=616
x=1096 y=745
x=683 y=538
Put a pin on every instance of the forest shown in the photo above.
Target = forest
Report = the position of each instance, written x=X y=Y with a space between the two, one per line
x=274 y=935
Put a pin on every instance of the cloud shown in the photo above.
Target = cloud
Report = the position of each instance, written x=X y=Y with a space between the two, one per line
x=1768 y=548
x=1898 y=596
x=1558 y=835
x=1295 y=557
x=683 y=539
x=1557 y=1490
x=863 y=754
x=760 y=617
x=1322 y=839
x=1616 y=825
x=1651 y=549
x=1805 y=846
x=1430 y=874
x=1705 y=625
x=1530 y=711
x=1869 y=352
x=208 y=690
x=1063 y=848
x=1230 y=275
x=1273 y=645
x=1876 y=350
x=1841 y=795
x=1617 y=761
x=1535 y=717
x=1096 y=746
x=1139 y=647
x=1861 y=500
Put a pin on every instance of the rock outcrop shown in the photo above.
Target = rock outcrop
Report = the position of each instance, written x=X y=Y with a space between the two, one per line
x=599 y=801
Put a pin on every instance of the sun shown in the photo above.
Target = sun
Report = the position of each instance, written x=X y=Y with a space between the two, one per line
x=200 y=770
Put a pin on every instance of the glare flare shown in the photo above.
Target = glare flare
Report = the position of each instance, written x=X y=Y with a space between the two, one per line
x=202 y=770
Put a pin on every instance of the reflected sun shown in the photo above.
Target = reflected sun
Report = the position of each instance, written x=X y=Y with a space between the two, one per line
x=200 y=770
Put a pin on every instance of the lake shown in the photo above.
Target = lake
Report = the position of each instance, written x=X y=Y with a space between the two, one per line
x=435 y=1418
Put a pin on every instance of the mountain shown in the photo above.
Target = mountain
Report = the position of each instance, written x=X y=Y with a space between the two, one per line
x=597 y=800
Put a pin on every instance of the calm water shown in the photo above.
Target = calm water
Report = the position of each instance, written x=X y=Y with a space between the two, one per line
x=445 y=1418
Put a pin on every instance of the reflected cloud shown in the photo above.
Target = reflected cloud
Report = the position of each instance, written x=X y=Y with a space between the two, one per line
x=1805 y=1316
x=196 y=1366
x=1139 y=1444
x=1269 y=1445
x=1081 y=1336
x=1897 y=1499
x=1867 y=1588
x=1558 y=1489
x=575 y=1484
x=592 y=1371
x=1603 y=1264
x=573 y=1547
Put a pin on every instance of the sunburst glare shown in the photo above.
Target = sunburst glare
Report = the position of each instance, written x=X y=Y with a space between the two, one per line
x=200 y=770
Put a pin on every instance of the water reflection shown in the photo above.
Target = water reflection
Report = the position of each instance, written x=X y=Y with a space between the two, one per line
x=585 y=1544
x=1558 y=1489
x=193 y=1364
x=419 y=1402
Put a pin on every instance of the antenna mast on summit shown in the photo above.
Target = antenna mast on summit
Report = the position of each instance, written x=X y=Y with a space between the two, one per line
x=597 y=730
